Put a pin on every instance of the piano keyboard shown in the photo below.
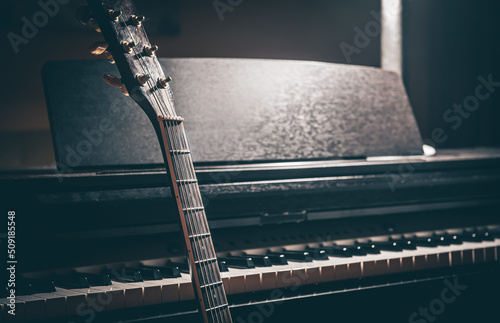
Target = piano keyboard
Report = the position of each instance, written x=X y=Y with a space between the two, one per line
x=256 y=270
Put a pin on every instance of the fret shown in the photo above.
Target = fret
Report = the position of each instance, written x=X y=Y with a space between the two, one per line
x=217 y=283
x=216 y=307
x=203 y=249
x=200 y=235
x=180 y=151
x=188 y=181
x=202 y=261
x=207 y=271
x=196 y=223
x=178 y=119
x=216 y=296
x=196 y=208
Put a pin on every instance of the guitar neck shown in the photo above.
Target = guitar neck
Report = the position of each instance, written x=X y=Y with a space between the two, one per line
x=202 y=258
x=143 y=79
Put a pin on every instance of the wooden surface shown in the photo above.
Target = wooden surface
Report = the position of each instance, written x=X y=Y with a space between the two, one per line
x=249 y=110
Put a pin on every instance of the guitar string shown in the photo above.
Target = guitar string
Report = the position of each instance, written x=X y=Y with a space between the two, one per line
x=139 y=55
x=195 y=192
x=170 y=133
x=202 y=225
x=206 y=271
x=177 y=145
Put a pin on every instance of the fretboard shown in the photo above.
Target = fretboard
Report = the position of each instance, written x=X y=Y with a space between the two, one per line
x=203 y=260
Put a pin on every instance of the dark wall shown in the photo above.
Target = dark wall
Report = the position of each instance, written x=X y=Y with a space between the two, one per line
x=448 y=44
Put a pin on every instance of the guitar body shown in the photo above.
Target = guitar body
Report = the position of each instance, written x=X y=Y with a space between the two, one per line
x=142 y=78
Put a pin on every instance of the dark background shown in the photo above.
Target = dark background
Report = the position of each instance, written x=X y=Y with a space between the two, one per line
x=448 y=44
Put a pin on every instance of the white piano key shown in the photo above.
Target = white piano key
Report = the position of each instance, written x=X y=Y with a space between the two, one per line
x=20 y=311
x=395 y=265
x=74 y=300
x=114 y=296
x=186 y=290
x=55 y=304
x=133 y=293
x=152 y=292
x=253 y=282
x=34 y=307
x=313 y=275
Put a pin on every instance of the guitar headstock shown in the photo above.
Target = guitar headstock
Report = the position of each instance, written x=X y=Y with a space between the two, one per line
x=127 y=45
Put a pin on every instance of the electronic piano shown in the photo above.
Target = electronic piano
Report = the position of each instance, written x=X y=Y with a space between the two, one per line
x=321 y=201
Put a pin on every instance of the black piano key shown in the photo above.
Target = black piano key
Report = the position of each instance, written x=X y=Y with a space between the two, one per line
x=222 y=266
x=358 y=250
x=470 y=236
x=125 y=275
x=33 y=286
x=262 y=261
x=182 y=266
x=387 y=245
x=318 y=253
x=166 y=271
x=452 y=238
x=277 y=259
x=339 y=251
x=71 y=280
x=369 y=247
x=495 y=233
x=238 y=261
x=147 y=273
x=442 y=239
x=405 y=243
x=293 y=255
x=96 y=279
x=485 y=235
x=427 y=241
x=23 y=287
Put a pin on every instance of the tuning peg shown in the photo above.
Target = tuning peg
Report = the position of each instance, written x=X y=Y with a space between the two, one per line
x=162 y=82
x=112 y=80
x=114 y=14
x=95 y=25
x=84 y=14
x=150 y=51
x=142 y=78
x=137 y=20
x=128 y=46
x=109 y=57
x=124 y=90
x=98 y=47
x=116 y=82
